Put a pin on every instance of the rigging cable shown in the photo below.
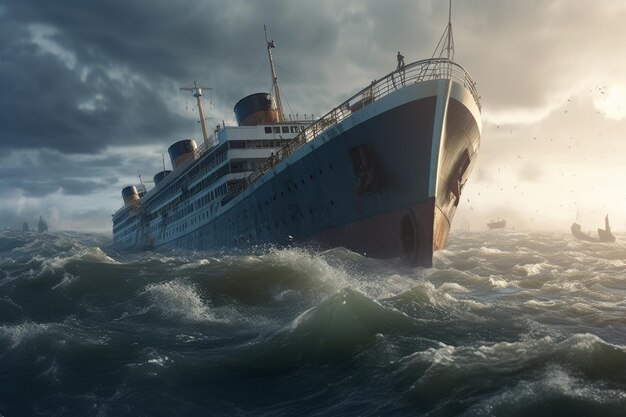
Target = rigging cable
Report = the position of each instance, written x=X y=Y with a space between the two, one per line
x=252 y=76
x=307 y=84
x=288 y=105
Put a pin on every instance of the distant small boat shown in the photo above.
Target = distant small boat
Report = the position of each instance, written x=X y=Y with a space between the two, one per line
x=578 y=233
x=42 y=226
x=496 y=224
x=604 y=235
x=25 y=227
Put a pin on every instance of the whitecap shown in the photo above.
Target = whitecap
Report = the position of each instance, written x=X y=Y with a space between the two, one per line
x=177 y=299
x=66 y=281
x=498 y=282
x=159 y=360
x=196 y=264
x=309 y=264
x=56 y=264
x=285 y=295
x=554 y=382
x=489 y=251
x=583 y=308
x=540 y=303
x=501 y=355
x=452 y=287
x=93 y=254
x=16 y=334
x=339 y=268
x=530 y=269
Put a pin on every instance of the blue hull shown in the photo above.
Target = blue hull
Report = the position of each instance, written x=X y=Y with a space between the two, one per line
x=366 y=187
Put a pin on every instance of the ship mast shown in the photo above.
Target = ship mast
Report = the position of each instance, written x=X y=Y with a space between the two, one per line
x=197 y=93
x=450 y=39
x=446 y=43
x=270 y=45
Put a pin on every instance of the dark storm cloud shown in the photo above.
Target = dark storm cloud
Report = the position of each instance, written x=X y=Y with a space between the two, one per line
x=76 y=79
x=43 y=172
x=79 y=75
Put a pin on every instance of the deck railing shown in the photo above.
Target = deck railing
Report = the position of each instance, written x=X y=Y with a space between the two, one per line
x=428 y=69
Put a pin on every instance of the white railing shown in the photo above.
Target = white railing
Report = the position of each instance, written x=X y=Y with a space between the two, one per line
x=428 y=69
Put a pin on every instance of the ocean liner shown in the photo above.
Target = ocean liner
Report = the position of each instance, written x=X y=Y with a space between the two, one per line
x=496 y=224
x=380 y=174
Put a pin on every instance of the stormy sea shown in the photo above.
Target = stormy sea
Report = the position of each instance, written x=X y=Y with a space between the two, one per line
x=506 y=323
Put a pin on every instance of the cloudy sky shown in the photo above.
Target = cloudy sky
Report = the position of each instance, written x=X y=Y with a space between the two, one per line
x=89 y=93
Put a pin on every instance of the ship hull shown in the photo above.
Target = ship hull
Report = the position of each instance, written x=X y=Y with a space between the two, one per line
x=385 y=182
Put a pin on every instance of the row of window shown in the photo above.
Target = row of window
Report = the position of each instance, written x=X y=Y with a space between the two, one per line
x=219 y=156
x=233 y=167
x=197 y=172
x=184 y=198
x=283 y=129
x=295 y=218
x=203 y=201
x=206 y=166
x=221 y=190
x=201 y=170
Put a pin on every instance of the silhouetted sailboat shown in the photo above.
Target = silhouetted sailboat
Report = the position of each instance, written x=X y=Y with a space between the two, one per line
x=42 y=226
x=578 y=233
x=605 y=234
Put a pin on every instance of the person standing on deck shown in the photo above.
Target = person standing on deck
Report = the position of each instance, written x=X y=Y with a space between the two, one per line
x=401 y=66
x=400 y=60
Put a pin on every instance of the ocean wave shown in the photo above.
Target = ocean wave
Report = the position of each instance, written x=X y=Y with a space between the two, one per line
x=438 y=372
x=452 y=287
x=91 y=255
x=530 y=269
x=151 y=359
x=18 y=333
x=490 y=251
x=289 y=274
x=179 y=300
x=254 y=280
x=8 y=243
x=55 y=269
x=553 y=392
x=335 y=330
x=437 y=308
x=56 y=334
x=498 y=281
